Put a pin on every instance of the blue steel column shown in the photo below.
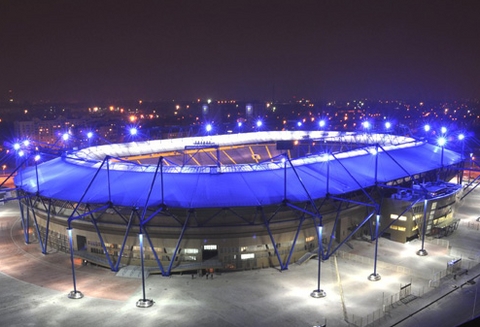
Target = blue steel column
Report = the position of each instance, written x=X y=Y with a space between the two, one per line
x=422 y=252
x=143 y=302
x=317 y=293
x=375 y=276
x=73 y=294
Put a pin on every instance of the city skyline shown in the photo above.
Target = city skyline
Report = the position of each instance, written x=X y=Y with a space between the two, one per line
x=109 y=50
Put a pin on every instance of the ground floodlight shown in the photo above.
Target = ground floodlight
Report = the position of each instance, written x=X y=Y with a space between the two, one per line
x=366 y=124
x=321 y=123
x=133 y=131
x=299 y=124
x=208 y=128
x=388 y=125
x=89 y=135
x=239 y=124
x=259 y=123
x=441 y=141
x=426 y=128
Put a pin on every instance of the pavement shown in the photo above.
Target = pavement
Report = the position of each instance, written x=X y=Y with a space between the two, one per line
x=34 y=287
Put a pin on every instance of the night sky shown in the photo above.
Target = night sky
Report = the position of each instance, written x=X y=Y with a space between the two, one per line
x=102 y=50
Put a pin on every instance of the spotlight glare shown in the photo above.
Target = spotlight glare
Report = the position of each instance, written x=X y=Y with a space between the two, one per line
x=461 y=136
x=441 y=141
x=89 y=135
x=259 y=123
x=208 y=128
x=321 y=123
x=133 y=131
x=444 y=130
x=388 y=125
x=65 y=136
x=426 y=128
x=16 y=146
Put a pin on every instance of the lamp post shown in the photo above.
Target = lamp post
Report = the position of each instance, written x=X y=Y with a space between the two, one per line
x=317 y=293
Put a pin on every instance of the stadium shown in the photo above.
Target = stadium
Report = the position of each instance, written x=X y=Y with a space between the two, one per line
x=237 y=201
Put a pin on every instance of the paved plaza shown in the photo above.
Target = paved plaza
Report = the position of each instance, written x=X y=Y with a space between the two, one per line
x=413 y=290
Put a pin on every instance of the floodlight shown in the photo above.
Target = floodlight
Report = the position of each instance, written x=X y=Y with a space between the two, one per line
x=16 y=146
x=208 y=128
x=441 y=141
x=259 y=123
x=443 y=129
x=366 y=124
x=89 y=135
x=26 y=142
x=426 y=128
x=461 y=136
x=65 y=136
x=321 y=123
x=133 y=131
x=37 y=157
x=388 y=125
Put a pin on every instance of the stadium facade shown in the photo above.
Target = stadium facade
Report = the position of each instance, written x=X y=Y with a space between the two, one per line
x=237 y=201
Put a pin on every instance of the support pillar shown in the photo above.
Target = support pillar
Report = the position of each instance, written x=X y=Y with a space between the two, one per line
x=375 y=276
x=422 y=252
x=318 y=293
x=143 y=302
x=75 y=294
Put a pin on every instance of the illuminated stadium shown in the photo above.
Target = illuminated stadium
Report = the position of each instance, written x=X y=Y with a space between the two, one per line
x=237 y=201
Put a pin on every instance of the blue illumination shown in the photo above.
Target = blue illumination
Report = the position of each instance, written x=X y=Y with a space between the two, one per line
x=388 y=125
x=208 y=128
x=37 y=157
x=299 y=124
x=89 y=135
x=16 y=146
x=426 y=128
x=441 y=141
x=65 y=136
x=461 y=137
x=444 y=130
x=366 y=124
x=133 y=131
x=321 y=123
x=21 y=153
x=239 y=124
x=26 y=142
x=259 y=123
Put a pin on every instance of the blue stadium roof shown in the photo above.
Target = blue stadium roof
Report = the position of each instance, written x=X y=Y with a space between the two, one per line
x=84 y=176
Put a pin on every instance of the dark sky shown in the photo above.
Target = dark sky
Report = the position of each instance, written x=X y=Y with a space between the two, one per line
x=82 y=50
